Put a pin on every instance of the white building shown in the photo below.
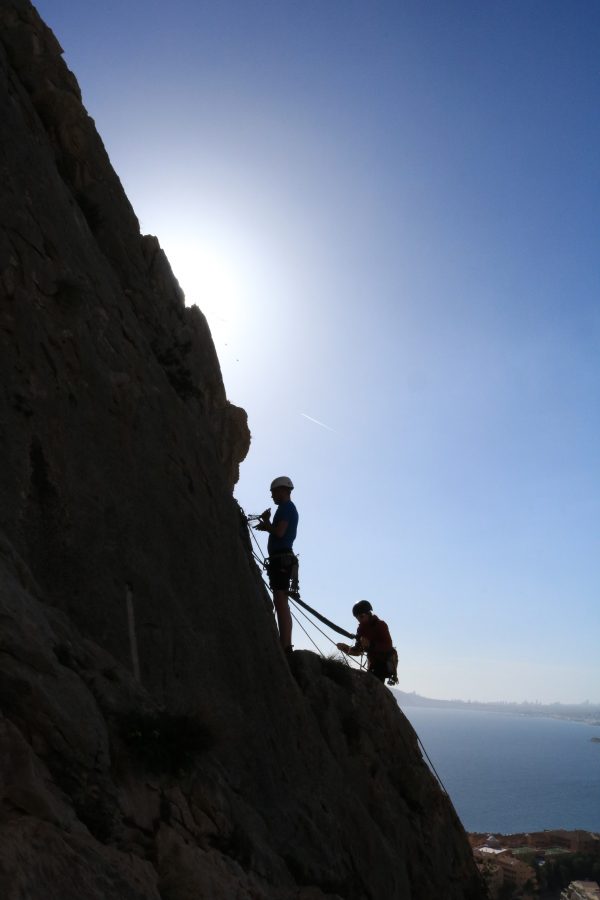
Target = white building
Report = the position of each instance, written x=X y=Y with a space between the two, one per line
x=581 y=890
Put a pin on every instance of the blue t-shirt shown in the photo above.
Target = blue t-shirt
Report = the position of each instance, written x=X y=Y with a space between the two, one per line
x=288 y=513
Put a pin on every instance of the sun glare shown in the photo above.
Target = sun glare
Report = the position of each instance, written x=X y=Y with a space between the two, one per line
x=211 y=278
x=237 y=283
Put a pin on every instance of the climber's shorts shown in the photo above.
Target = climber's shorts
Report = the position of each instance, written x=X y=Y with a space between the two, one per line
x=279 y=570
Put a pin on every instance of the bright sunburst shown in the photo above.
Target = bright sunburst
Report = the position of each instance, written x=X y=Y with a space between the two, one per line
x=209 y=277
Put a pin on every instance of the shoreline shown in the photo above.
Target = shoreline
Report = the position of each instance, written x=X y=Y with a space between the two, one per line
x=570 y=840
x=545 y=832
x=532 y=711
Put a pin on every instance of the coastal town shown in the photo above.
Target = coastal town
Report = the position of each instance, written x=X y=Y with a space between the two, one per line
x=547 y=865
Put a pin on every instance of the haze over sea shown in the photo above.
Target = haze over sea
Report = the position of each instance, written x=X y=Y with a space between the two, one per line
x=508 y=773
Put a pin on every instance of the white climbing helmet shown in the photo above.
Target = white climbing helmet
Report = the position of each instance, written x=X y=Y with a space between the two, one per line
x=282 y=481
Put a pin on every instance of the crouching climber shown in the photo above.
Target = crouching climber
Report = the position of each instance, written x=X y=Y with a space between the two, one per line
x=282 y=561
x=373 y=638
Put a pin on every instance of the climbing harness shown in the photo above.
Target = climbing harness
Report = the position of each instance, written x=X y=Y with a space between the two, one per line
x=284 y=560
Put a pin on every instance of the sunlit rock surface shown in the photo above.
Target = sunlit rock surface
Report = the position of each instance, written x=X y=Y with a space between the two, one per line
x=118 y=453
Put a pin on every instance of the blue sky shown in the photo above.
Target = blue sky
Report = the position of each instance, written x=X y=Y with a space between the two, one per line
x=389 y=212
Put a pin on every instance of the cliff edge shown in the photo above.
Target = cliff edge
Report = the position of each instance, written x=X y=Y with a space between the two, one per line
x=154 y=742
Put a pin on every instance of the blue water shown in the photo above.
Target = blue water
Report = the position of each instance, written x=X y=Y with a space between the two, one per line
x=508 y=773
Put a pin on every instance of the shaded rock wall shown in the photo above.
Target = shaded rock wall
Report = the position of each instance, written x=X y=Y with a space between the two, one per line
x=118 y=452
x=119 y=448
x=350 y=812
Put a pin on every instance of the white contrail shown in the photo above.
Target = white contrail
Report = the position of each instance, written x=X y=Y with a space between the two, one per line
x=316 y=421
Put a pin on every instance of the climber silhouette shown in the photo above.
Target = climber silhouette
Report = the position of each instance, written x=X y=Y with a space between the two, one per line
x=281 y=561
x=373 y=637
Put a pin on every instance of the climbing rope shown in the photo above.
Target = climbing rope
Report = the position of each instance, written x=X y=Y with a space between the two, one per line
x=325 y=621
x=431 y=765
x=346 y=658
x=300 y=625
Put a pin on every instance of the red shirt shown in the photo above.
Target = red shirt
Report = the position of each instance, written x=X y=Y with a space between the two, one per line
x=377 y=633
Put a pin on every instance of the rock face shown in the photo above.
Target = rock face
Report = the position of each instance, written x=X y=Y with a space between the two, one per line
x=220 y=772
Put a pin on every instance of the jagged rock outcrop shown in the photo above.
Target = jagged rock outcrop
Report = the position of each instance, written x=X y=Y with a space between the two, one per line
x=118 y=452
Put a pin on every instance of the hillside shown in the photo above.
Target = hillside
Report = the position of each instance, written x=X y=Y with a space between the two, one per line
x=155 y=742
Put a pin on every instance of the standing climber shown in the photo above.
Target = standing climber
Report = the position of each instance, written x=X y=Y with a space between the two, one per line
x=281 y=561
x=373 y=637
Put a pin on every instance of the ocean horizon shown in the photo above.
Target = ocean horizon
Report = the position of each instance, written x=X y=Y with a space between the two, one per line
x=511 y=773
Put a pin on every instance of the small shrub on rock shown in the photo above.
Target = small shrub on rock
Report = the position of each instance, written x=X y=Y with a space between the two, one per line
x=337 y=670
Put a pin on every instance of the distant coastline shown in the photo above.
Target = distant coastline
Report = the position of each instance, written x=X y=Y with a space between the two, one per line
x=587 y=713
x=575 y=839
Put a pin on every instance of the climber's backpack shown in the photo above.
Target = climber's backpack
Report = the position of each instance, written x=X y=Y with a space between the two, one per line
x=392 y=667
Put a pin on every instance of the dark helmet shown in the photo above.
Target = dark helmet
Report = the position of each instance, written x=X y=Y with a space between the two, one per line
x=363 y=606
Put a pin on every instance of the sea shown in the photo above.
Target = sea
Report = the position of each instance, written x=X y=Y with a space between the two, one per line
x=508 y=773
